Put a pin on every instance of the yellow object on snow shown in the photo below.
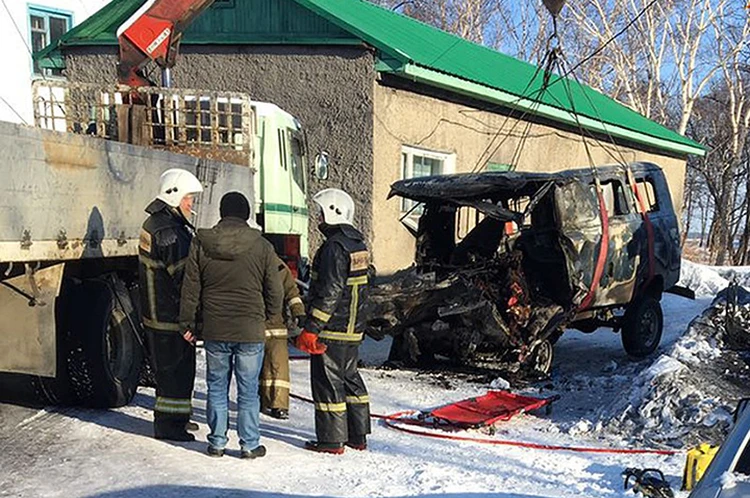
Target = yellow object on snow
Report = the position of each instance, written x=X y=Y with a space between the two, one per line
x=698 y=459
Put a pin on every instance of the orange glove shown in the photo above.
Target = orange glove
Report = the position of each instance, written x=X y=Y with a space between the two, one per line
x=308 y=342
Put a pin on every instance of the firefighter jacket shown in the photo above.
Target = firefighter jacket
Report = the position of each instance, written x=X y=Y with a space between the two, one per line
x=276 y=326
x=163 y=250
x=339 y=285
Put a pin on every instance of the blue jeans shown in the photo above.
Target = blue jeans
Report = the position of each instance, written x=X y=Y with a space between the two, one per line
x=246 y=359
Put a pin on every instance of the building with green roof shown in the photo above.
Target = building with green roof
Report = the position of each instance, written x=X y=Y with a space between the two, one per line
x=385 y=96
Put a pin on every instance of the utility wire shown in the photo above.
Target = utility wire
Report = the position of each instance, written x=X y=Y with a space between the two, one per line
x=14 y=110
x=18 y=30
x=613 y=38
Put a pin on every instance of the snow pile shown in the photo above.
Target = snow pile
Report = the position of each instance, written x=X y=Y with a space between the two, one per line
x=705 y=281
x=708 y=281
x=688 y=394
x=739 y=273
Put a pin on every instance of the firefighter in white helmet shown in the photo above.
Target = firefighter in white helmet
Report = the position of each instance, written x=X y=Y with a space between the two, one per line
x=333 y=329
x=163 y=249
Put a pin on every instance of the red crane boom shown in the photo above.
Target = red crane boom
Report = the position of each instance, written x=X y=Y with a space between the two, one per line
x=153 y=33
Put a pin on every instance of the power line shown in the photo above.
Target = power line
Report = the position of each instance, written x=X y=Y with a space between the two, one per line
x=14 y=110
x=613 y=38
x=18 y=30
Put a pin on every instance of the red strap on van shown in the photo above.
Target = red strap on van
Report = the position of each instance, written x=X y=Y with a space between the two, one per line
x=603 y=250
x=649 y=227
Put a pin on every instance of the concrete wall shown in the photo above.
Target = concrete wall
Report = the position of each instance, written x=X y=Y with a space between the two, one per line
x=404 y=117
x=329 y=89
x=15 y=34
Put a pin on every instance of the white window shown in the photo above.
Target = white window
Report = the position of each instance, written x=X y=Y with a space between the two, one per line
x=417 y=162
x=46 y=26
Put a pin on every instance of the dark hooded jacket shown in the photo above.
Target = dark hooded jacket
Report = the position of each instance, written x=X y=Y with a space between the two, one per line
x=231 y=282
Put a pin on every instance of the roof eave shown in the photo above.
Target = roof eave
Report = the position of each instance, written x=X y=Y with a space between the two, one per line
x=442 y=80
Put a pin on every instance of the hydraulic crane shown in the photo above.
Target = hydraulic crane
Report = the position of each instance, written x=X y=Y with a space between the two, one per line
x=153 y=33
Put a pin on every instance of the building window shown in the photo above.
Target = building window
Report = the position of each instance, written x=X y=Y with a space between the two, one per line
x=46 y=26
x=420 y=162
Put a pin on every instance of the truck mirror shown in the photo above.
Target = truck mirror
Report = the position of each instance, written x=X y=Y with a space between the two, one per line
x=321 y=166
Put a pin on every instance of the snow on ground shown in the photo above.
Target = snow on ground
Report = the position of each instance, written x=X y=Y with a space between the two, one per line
x=88 y=453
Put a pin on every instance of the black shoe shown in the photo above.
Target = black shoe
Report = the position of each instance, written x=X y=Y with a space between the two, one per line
x=358 y=443
x=215 y=452
x=279 y=413
x=258 y=452
x=332 y=448
x=191 y=427
x=175 y=436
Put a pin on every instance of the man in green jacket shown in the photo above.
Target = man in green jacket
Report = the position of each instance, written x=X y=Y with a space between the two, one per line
x=232 y=280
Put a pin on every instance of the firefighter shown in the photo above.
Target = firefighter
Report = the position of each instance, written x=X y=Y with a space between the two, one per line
x=332 y=332
x=163 y=249
x=274 y=378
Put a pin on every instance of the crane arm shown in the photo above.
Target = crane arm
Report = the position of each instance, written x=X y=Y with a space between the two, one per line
x=153 y=32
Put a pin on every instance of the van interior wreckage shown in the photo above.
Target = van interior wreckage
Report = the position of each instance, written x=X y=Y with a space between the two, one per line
x=506 y=261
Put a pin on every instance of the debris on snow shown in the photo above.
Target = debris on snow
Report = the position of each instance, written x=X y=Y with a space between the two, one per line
x=500 y=384
x=688 y=394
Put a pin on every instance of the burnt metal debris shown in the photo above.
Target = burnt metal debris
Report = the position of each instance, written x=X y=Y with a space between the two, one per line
x=505 y=262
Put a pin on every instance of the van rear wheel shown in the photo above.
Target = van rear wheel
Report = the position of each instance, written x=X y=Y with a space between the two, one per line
x=642 y=327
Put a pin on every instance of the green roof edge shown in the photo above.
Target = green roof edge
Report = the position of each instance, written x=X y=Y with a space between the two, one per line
x=482 y=92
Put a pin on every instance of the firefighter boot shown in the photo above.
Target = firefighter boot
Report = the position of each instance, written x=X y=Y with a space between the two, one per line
x=332 y=448
x=358 y=443
x=172 y=430
x=280 y=413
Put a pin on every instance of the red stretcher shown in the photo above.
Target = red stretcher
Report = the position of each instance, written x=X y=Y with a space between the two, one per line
x=486 y=410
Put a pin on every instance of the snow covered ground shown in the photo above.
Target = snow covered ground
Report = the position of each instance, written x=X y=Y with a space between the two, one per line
x=88 y=453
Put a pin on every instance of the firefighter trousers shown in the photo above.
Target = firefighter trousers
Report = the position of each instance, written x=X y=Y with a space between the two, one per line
x=173 y=359
x=274 y=377
x=342 y=405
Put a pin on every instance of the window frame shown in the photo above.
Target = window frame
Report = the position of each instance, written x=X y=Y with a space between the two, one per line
x=448 y=166
x=33 y=10
x=614 y=190
x=652 y=205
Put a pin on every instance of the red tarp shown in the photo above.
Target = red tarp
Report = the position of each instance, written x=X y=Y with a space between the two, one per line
x=485 y=410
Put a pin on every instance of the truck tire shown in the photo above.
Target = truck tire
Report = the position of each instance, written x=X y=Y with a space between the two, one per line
x=105 y=365
x=642 y=326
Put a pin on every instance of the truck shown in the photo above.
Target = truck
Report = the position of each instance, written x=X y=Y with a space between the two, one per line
x=72 y=206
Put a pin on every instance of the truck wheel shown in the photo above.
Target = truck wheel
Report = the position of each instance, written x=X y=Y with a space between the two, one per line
x=105 y=367
x=642 y=327
x=542 y=356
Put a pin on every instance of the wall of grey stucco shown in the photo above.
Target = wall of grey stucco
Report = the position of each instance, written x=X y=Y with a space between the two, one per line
x=329 y=89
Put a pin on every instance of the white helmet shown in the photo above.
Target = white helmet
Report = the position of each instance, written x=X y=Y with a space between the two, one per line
x=175 y=184
x=337 y=206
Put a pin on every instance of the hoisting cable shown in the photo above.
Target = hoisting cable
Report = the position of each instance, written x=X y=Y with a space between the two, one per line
x=556 y=59
x=536 y=100
x=641 y=203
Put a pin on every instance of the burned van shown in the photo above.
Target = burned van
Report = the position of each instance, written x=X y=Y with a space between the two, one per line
x=506 y=261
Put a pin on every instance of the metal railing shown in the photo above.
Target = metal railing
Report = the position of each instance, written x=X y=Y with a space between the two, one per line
x=216 y=125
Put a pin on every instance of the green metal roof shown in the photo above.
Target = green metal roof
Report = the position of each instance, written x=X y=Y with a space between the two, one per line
x=407 y=48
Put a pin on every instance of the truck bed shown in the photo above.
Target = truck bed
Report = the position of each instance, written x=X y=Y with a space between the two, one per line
x=65 y=196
